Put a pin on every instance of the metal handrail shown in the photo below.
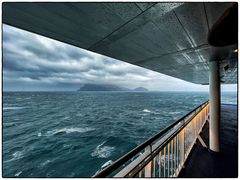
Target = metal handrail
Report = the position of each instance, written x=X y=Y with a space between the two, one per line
x=108 y=170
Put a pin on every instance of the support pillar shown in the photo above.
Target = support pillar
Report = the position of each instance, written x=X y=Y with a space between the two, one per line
x=215 y=95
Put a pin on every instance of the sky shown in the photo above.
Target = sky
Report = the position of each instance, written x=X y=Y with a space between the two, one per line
x=35 y=63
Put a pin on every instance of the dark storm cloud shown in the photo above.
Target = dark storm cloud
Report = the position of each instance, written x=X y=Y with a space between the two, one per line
x=28 y=57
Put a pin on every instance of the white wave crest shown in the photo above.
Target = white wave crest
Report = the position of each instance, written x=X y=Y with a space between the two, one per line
x=146 y=110
x=17 y=155
x=45 y=163
x=177 y=112
x=39 y=134
x=12 y=108
x=69 y=130
x=102 y=151
x=66 y=117
x=18 y=173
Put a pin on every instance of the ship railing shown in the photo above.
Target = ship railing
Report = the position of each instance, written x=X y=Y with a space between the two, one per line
x=164 y=154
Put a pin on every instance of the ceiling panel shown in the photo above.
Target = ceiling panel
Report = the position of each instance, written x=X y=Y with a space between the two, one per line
x=193 y=18
x=172 y=28
x=141 y=30
x=144 y=6
x=188 y=72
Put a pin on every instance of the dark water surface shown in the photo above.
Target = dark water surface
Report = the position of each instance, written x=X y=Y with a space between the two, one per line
x=73 y=134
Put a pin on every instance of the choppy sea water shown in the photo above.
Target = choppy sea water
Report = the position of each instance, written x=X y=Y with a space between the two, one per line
x=74 y=134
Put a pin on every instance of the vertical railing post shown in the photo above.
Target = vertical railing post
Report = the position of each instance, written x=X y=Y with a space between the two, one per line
x=208 y=112
x=199 y=123
x=181 y=146
x=164 y=165
x=154 y=166
x=160 y=164
x=172 y=156
x=177 y=152
x=200 y=118
x=205 y=109
x=168 y=159
x=148 y=167
x=175 y=155
x=195 y=126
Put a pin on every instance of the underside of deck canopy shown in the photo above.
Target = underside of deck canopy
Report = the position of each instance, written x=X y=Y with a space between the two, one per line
x=170 y=38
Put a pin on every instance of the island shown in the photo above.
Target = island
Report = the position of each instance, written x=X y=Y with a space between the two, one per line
x=140 y=89
x=107 y=87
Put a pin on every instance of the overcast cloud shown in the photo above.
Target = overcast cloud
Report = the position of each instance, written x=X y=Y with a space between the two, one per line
x=33 y=62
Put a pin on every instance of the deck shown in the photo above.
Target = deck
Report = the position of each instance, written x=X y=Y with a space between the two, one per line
x=202 y=163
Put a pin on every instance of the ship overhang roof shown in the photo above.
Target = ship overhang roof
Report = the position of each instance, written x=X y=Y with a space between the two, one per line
x=169 y=38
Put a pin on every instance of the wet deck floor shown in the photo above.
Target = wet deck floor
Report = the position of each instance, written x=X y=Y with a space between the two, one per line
x=202 y=163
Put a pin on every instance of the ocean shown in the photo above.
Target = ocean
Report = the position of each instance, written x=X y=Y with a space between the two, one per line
x=74 y=134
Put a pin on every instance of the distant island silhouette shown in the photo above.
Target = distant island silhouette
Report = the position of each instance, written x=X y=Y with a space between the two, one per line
x=140 y=89
x=108 y=87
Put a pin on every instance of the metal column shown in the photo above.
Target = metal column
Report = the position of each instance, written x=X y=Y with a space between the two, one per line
x=214 y=90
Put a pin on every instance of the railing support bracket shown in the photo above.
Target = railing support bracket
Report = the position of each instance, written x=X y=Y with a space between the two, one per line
x=201 y=141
